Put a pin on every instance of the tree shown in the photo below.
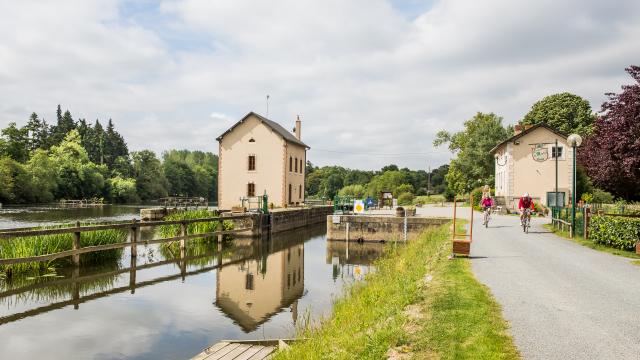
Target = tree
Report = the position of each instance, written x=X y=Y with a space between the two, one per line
x=16 y=142
x=77 y=177
x=37 y=133
x=150 y=180
x=473 y=165
x=565 y=112
x=357 y=191
x=62 y=128
x=611 y=154
x=16 y=185
x=114 y=145
x=180 y=177
x=43 y=176
x=122 y=190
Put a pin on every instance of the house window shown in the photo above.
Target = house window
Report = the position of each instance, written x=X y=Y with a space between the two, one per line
x=290 y=194
x=299 y=191
x=249 y=282
x=290 y=164
x=251 y=189
x=301 y=167
x=252 y=162
x=296 y=164
x=557 y=151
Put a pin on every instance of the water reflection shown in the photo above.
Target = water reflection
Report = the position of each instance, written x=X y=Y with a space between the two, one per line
x=170 y=305
x=26 y=216
x=352 y=260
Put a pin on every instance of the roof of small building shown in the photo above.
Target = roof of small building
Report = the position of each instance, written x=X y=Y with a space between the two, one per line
x=527 y=131
x=271 y=124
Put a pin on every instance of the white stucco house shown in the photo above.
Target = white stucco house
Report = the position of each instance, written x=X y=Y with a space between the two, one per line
x=526 y=162
x=258 y=155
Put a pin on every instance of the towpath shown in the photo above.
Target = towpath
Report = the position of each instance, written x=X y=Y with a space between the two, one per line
x=562 y=300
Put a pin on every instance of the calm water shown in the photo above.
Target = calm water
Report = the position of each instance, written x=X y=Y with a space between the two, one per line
x=162 y=307
x=26 y=216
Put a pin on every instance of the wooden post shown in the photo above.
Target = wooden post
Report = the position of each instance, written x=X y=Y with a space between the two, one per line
x=76 y=244
x=471 y=225
x=586 y=214
x=453 y=232
x=183 y=233
x=133 y=238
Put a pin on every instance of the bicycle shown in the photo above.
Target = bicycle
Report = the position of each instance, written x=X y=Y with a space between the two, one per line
x=526 y=220
x=486 y=216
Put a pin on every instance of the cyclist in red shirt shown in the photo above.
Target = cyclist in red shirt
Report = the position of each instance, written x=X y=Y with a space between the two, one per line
x=525 y=203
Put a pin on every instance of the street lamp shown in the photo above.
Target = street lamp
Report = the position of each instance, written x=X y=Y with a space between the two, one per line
x=574 y=140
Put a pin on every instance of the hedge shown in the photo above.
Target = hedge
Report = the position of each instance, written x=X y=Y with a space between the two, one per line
x=617 y=232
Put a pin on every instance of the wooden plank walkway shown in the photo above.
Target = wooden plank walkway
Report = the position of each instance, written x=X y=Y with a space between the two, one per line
x=241 y=350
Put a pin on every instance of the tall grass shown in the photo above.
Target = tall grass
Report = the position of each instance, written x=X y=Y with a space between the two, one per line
x=166 y=231
x=48 y=244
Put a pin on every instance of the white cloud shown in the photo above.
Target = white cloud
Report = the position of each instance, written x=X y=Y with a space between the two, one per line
x=363 y=77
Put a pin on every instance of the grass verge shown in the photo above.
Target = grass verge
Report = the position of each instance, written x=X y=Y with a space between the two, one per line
x=588 y=243
x=418 y=304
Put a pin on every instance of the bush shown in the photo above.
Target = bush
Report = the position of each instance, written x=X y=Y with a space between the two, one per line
x=601 y=196
x=405 y=198
x=617 y=232
x=449 y=194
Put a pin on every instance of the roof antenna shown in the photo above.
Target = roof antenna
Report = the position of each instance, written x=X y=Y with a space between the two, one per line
x=267 y=105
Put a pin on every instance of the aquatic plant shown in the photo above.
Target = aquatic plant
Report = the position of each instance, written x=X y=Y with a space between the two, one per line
x=166 y=231
x=29 y=246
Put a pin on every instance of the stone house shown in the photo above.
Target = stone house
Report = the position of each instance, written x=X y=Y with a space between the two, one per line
x=526 y=162
x=258 y=155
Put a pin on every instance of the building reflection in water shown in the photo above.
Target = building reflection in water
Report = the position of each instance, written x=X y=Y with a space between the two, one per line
x=253 y=291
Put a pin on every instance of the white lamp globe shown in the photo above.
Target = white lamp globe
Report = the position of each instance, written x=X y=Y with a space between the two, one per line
x=574 y=140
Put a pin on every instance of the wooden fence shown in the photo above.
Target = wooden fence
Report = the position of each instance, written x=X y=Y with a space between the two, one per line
x=133 y=227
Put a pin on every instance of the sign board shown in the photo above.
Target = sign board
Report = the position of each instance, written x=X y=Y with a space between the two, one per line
x=358 y=206
x=336 y=219
x=540 y=153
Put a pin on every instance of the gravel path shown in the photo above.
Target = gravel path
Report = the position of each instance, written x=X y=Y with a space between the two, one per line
x=563 y=300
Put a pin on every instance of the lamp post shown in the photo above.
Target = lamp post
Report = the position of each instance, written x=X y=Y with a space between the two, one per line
x=574 y=141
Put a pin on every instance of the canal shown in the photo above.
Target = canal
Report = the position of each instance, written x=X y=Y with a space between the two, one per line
x=161 y=306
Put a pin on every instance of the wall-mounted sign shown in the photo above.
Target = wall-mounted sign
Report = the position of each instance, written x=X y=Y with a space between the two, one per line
x=540 y=152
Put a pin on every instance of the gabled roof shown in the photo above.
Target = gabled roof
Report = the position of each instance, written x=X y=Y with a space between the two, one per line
x=527 y=131
x=271 y=124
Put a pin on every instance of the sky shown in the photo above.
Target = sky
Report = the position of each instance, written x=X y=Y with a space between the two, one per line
x=373 y=81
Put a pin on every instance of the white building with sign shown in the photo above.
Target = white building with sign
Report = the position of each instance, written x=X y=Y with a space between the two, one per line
x=526 y=162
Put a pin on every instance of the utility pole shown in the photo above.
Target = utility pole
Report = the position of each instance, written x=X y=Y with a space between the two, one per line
x=429 y=183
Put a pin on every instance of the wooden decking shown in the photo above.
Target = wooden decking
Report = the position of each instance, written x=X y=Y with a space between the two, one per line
x=241 y=350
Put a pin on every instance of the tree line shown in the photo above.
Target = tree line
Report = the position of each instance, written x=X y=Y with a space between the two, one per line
x=69 y=159
x=608 y=160
x=329 y=181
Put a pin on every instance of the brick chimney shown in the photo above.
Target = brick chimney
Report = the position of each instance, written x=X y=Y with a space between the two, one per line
x=517 y=129
x=298 y=129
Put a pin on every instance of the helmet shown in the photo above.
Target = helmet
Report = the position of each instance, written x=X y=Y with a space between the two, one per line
x=525 y=194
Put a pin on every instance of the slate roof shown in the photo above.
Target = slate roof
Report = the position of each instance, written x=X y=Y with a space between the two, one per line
x=271 y=124
x=525 y=132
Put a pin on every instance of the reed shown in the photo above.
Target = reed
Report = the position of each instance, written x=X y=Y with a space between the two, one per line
x=49 y=244
x=166 y=231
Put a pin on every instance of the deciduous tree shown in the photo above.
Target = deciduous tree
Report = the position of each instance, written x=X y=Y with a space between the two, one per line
x=612 y=154
x=564 y=112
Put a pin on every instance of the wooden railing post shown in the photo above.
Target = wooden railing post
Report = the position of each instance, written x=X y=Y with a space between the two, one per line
x=76 y=244
x=75 y=288
x=585 y=220
x=133 y=238
x=183 y=233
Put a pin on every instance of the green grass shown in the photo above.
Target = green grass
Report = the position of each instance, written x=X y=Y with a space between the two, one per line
x=431 y=199
x=588 y=243
x=453 y=315
x=49 y=244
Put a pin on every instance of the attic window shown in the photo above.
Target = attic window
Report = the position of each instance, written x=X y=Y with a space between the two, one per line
x=252 y=140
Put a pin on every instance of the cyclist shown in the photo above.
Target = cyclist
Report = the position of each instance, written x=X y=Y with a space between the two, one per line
x=486 y=204
x=525 y=203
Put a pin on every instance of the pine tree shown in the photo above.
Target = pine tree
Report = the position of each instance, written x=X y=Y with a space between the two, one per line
x=34 y=129
x=114 y=146
x=62 y=128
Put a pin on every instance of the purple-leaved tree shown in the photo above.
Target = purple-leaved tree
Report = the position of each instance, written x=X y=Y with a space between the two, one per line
x=612 y=154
